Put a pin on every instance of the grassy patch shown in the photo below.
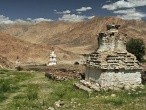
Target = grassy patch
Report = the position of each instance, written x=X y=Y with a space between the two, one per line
x=19 y=97
x=32 y=91
x=26 y=105
x=115 y=101
x=9 y=82
x=2 y=97
x=7 y=85
x=64 y=90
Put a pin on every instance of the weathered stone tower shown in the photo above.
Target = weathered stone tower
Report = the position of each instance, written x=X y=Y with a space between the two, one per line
x=111 y=66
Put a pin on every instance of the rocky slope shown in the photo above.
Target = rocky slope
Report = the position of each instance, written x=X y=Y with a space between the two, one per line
x=5 y=63
x=73 y=34
x=11 y=47
x=32 y=41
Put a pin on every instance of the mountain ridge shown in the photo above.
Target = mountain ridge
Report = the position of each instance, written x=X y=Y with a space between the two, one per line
x=73 y=34
x=69 y=39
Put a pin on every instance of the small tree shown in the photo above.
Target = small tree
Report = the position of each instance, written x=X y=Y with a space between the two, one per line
x=136 y=47
x=76 y=63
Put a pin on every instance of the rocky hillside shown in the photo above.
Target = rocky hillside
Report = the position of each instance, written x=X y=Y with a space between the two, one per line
x=11 y=47
x=73 y=34
x=32 y=42
x=5 y=63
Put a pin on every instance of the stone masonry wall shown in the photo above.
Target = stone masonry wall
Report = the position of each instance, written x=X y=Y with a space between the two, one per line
x=112 y=80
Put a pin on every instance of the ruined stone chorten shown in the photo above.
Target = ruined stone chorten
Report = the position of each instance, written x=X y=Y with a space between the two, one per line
x=112 y=53
x=111 y=66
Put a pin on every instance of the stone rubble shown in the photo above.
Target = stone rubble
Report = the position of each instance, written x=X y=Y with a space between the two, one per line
x=62 y=74
x=58 y=104
x=83 y=87
x=90 y=86
x=50 y=108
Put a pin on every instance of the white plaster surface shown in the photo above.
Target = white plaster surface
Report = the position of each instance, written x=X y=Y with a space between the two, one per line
x=114 y=80
x=52 y=59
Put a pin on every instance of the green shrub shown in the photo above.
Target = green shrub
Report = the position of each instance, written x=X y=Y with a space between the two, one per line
x=19 y=68
x=76 y=63
x=136 y=47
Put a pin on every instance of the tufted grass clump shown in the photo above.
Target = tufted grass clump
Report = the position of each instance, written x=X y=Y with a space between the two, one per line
x=32 y=92
x=115 y=101
x=8 y=85
x=2 y=97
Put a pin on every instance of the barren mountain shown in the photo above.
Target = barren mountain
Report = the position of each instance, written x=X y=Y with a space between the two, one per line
x=71 y=36
x=11 y=47
x=32 y=42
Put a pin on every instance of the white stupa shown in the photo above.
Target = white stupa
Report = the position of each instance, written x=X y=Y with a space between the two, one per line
x=52 y=58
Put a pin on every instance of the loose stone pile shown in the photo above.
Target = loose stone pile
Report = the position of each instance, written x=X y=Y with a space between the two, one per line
x=64 y=73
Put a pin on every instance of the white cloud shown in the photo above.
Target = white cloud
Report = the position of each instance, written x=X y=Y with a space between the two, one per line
x=125 y=4
x=130 y=14
x=6 y=20
x=63 y=12
x=128 y=6
x=116 y=5
x=20 y=21
x=74 y=18
x=83 y=9
x=37 y=20
x=126 y=11
x=29 y=19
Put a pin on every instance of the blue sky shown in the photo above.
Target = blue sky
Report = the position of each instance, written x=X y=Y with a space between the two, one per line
x=69 y=10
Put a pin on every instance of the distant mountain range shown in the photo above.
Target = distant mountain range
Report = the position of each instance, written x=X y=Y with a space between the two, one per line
x=33 y=41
